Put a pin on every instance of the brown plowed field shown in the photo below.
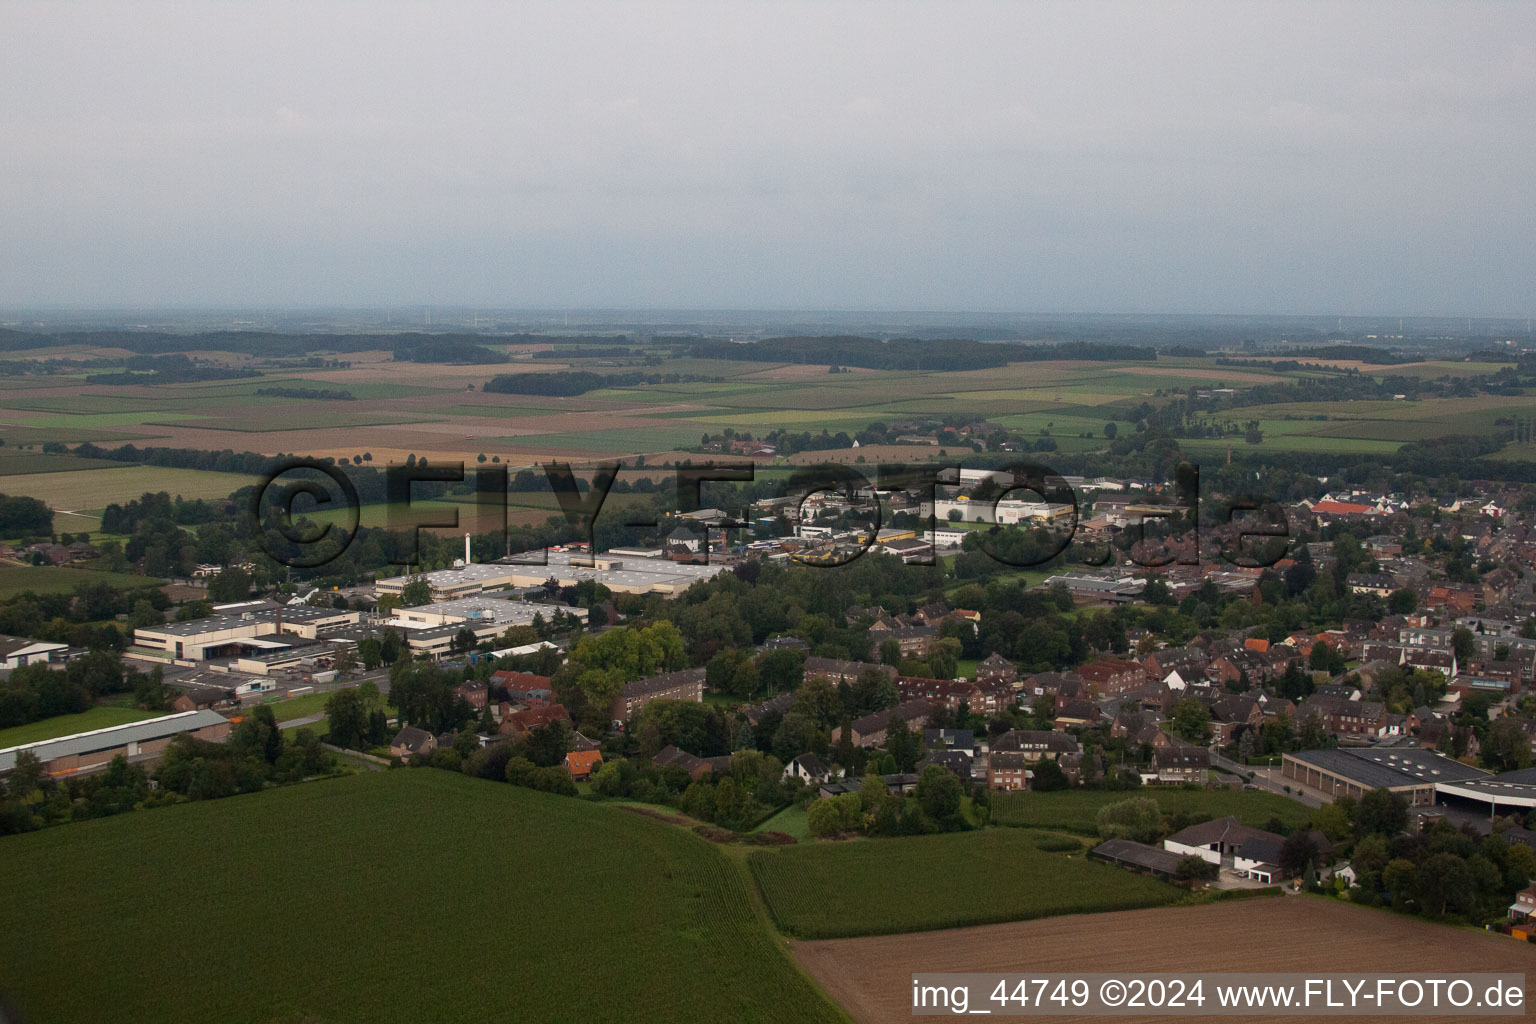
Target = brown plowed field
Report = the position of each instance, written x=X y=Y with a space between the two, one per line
x=872 y=978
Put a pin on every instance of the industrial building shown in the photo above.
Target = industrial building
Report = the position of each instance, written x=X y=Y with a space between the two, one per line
x=622 y=575
x=92 y=751
x=230 y=636
x=1417 y=774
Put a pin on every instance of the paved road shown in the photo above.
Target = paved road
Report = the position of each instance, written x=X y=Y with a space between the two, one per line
x=1268 y=778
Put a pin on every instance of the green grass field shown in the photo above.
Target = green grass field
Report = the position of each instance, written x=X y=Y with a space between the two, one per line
x=1077 y=810
x=354 y=900
x=882 y=886
x=791 y=821
x=58 y=579
x=68 y=725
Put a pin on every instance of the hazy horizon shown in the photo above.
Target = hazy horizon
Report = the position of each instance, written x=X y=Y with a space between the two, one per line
x=1357 y=159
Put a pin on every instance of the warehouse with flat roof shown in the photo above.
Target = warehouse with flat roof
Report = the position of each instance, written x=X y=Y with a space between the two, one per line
x=1350 y=771
x=227 y=636
x=87 y=752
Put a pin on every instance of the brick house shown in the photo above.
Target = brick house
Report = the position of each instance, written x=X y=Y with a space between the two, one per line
x=1008 y=771
x=1111 y=677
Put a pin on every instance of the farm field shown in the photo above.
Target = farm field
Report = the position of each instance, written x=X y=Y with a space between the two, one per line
x=656 y=924
x=59 y=579
x=872 y=977
x=16 y=463
x=1077 y=810
x=879 y=886
x=442 y=413
x=68 y=725
x=98 y=488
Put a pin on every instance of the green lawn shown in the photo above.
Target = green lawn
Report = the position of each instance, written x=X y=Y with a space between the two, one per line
x=791 y=821
x=1077 y=810
x=353 y=900
x=68 y=725
x=58 y=579
x=881 y=886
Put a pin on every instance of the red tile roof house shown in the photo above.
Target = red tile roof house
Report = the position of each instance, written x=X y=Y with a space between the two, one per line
x=582 y=763
x=947 y=692
x=1112 y=677
x=520 y=723
x=524 y=688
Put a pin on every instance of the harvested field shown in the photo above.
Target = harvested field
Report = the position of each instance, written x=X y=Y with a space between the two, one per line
x=872 y=977
x=98 y=488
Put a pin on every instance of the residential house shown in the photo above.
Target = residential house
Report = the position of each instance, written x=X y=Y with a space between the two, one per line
x=1111 y=677
x=1008 y=771
x=963 y=740
x=808 y=768
x=1074 y=713
x=1036 y=744
x=687 y=684
x=474 y=693
x=839 y=671
x=1177 y=762
x=1347 y=718
x=582 y=763
x=412 y=742
x=995 y=666
x=520 y=723
x=956 y=762
x=871 y=730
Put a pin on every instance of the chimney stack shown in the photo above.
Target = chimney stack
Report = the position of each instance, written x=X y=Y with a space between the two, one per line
x=466 y=549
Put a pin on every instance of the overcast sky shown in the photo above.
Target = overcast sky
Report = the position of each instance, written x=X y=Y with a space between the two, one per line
x=1333 y=158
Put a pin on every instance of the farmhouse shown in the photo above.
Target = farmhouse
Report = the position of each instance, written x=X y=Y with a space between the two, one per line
x=1251 y=852
x=1136 y=856
x=92 y=751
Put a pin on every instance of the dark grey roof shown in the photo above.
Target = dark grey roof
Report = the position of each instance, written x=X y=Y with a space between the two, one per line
x=665 y=681
x=1148 y=858
x=1390 y=768
x=113 y=736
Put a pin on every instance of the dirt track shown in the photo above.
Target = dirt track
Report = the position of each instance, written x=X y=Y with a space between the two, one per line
x=872 y=977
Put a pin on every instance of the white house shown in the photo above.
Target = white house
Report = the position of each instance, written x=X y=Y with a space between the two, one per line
x=808 y=768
